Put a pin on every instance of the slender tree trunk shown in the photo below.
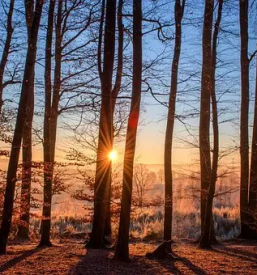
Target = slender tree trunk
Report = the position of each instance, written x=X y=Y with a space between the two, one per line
x=115 y=92
x=122 y=248
x=244 y=120
x=208 y=233
x=6 y=51
x=100 y=39
x=253 y=173
x=215 y=121
x=18 y=132
x=51 y=126
x=23 y=230
x=204 y=129
x=103 y=170
x=179 y=10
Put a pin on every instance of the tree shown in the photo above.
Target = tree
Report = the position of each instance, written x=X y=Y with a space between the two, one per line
x=23 y=230
x=6 y=51
x=48 y=162
x=143 y=181
x=179 y=11
x=68 y=31
x=115 y=92
x=103 y=163
x=244 y=120
x=208 y=234
x=20 y=123
x=204 y=128
x=253 y=173
x=122 y=249
x=247 y=205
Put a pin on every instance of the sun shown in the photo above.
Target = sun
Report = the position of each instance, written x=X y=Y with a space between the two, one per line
x=113 y=155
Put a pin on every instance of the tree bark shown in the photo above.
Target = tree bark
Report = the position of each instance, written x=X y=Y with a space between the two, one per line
x=208 y=233
x=50 y=119
x=23 y=229
x=204 y=129
x=244 y=120
x=5 y=54
x=179 y=10
x=18 y=132
x=103 y=165
x=115 y=92
x=253 y=174
x=122 y=248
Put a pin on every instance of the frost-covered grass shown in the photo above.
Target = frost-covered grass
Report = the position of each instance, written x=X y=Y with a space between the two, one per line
x=147 y=224
x=74 y=216
x=186 y=224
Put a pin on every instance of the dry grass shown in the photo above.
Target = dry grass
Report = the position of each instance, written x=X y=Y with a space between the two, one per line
x=71 y=258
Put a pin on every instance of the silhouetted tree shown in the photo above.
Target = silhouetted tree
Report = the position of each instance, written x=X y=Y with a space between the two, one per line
x=23 y=230
x=253 y=173
x=244 y=120
x=122 y=248
x=204 y=128
x=20 y=123
x=247 y=188
x=208 y=234
x=115 y=92
x=178 y=12
x=48 y=161
x=103 y=164
x=6 y=51
x=66 y=50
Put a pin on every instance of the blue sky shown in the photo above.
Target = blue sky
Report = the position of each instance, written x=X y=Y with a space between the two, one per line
x=152 y=127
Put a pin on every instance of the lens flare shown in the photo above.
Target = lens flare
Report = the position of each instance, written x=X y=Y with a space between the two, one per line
x=113 y=155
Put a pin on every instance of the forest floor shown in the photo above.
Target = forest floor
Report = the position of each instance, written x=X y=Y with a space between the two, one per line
x=234 y=257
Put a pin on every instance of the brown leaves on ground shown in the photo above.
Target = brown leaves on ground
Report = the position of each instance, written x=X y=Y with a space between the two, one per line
x=71 y=258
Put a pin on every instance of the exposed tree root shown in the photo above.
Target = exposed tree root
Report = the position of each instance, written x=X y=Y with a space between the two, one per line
x=45 y=244
x=105 y=244
x=163 y=251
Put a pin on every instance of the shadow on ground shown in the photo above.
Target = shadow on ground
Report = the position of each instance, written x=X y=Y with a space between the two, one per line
x=16 y=260
x=237 y=253
x=102 y=262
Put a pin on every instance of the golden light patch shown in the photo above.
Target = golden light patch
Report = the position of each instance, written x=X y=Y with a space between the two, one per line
x=113 y=155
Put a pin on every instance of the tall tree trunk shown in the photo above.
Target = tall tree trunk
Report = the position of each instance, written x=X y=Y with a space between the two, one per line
x=215 y=121
x=51 y=116
x=115 y=92
x=18 y=132
x=23 y=230
x=204 y=129
x=253 y=173
x=244 y=120
x=122 y=248
x=103 y=170
x=6 y=51
x=208 y=234
x=179 y=10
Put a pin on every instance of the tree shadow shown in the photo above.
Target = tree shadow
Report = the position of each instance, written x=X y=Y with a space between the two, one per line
x=151 y=268
x=11 y=263
x=169 y=265
x=102 y=262
x=194 y=268
x=237 y=253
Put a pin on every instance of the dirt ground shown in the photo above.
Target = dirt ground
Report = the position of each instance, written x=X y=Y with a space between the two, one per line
x=237 y=257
